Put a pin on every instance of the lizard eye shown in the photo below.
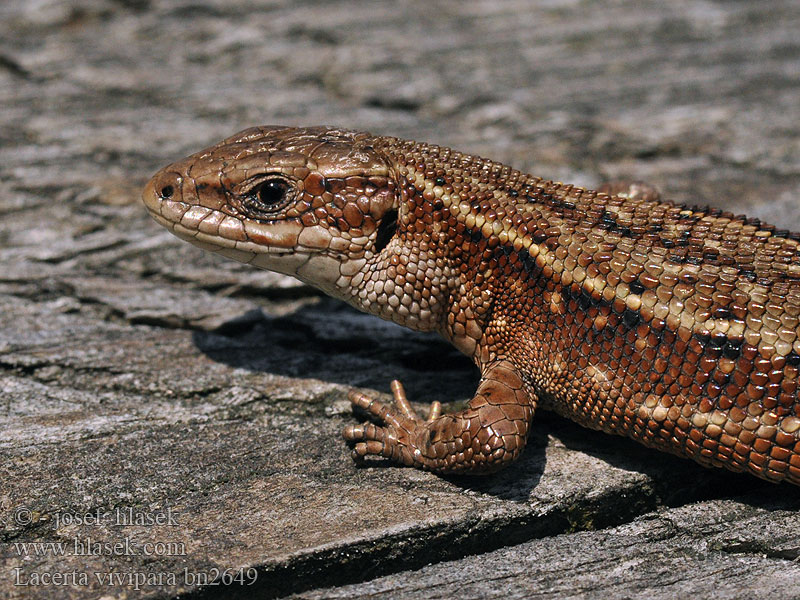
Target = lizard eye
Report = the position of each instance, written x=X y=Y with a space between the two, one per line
x=271 y=192
x=267 y=197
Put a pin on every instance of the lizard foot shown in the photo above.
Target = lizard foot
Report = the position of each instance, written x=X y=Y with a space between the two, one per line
x=401 y=433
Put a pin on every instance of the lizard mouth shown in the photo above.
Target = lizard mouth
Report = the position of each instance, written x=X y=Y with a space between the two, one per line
x=215 y=230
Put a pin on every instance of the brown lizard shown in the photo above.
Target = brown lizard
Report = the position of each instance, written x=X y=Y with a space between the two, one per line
x=676 y=326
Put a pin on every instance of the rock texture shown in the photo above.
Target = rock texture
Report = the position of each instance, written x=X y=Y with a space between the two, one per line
x=169 y=421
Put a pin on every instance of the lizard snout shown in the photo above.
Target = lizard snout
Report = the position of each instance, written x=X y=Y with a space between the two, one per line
x=164 y=185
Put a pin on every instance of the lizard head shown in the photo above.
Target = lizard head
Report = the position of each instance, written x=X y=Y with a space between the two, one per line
x=317 y=203
x=301 y=201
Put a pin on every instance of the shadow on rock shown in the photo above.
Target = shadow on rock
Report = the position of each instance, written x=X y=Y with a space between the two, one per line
x=332 y=342
x=676 y=480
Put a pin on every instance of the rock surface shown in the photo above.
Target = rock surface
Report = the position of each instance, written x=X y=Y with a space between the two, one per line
x=169 y=419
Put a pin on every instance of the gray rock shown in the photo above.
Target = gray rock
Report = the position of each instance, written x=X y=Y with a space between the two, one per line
x=713 y=549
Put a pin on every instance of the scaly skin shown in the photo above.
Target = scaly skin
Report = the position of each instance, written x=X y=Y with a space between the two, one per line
x=676 y=326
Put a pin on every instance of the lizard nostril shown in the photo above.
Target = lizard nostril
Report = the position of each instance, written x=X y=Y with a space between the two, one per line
x=167 y=191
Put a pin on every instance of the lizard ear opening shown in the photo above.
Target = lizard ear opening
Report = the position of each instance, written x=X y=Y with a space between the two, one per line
x=386 y=230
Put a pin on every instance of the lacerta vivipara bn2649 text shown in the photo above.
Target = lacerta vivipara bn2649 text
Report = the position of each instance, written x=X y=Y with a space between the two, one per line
x=676 y=326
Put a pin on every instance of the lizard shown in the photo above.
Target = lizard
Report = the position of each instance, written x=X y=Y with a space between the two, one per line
x=674 y=325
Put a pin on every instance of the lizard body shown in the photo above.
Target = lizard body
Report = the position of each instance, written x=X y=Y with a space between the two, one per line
x=676 y=326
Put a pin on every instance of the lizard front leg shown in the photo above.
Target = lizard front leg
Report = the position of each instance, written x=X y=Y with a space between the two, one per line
x=486 y=436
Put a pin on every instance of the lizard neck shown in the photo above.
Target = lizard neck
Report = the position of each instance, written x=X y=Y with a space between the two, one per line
x=437 y=269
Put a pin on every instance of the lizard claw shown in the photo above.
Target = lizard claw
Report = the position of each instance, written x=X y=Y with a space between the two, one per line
x=397 y=435
x=483 y=437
